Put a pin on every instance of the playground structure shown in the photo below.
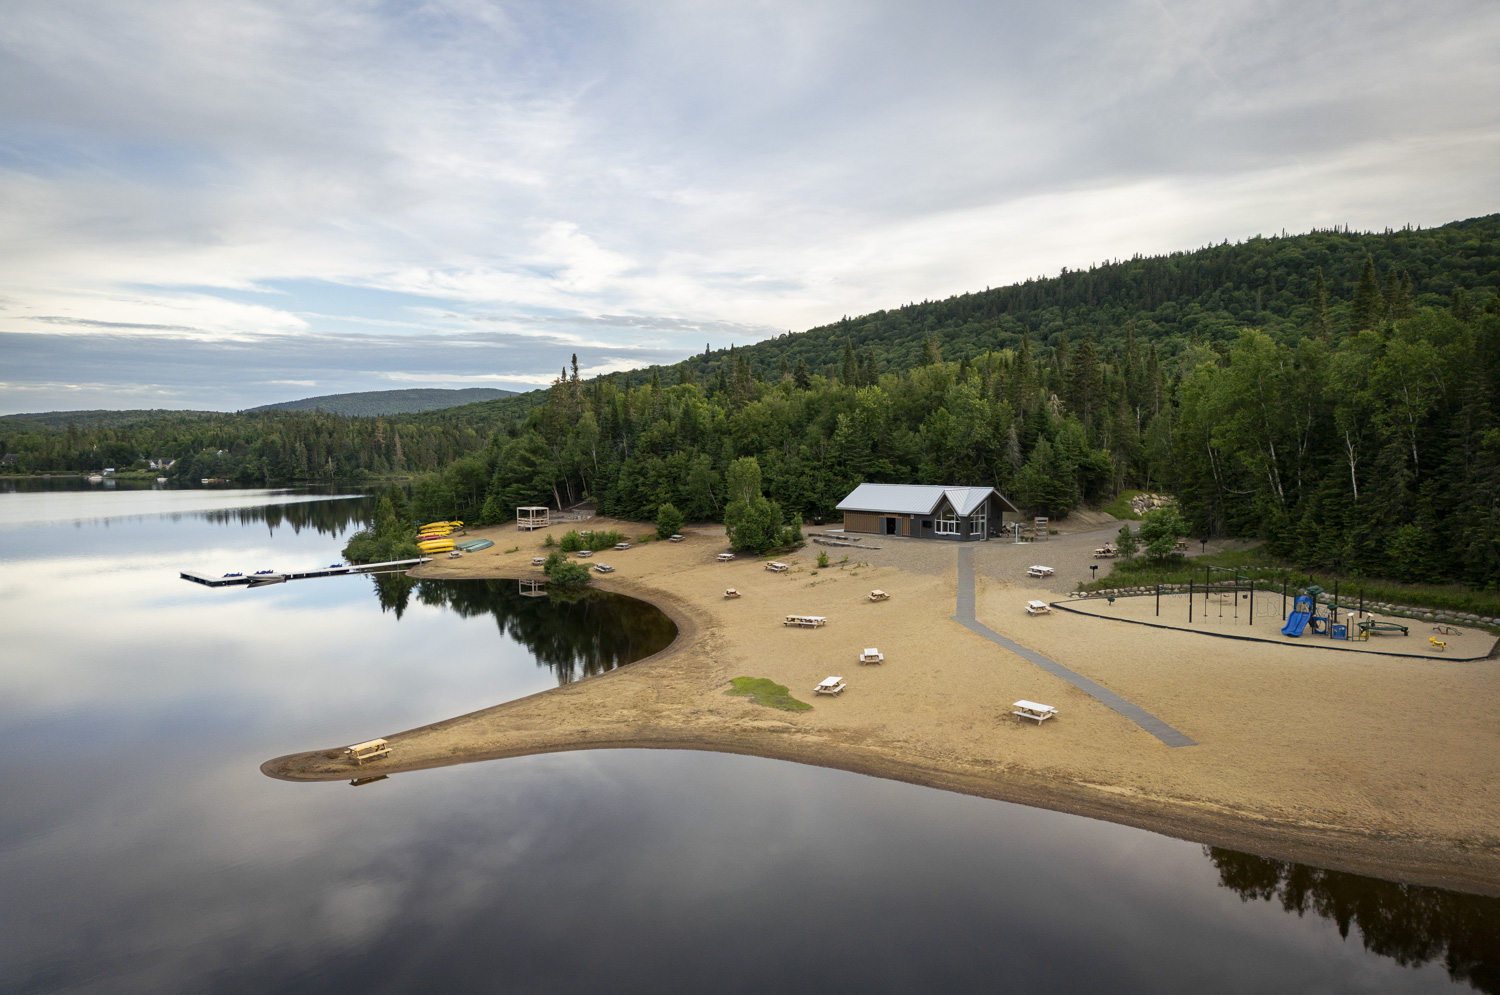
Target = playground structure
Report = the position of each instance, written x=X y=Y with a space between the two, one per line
x=1259 y=611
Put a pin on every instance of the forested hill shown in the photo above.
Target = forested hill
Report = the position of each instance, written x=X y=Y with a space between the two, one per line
x=390 y=402
x=103 y=417
x=1206 y=295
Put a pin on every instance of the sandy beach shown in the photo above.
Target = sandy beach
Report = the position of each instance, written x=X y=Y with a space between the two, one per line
x=1356 y=761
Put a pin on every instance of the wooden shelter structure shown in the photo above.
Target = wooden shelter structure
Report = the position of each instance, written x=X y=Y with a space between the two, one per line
x=531 y=517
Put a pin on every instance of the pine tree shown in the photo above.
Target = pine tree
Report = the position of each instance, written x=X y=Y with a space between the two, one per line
x=1321 y=326
x=931 y=353
x=1369 y=303
x=802 y=377
x=851 y=367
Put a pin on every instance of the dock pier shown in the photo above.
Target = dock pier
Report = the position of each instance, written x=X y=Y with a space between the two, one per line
x=260 y=580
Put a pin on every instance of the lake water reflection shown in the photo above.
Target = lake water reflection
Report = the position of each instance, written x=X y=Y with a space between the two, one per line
x=142 y=851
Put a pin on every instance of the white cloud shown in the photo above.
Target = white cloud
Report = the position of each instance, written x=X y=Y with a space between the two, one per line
x=617 y=179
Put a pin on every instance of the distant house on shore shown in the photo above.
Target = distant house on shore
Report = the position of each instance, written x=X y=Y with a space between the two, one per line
x=927 y=511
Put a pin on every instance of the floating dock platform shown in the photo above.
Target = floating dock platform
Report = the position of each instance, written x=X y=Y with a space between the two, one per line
x=260 y=580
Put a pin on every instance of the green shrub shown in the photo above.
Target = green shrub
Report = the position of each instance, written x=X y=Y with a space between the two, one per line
x=565 y=573
x=668 y=521
x=822 y=559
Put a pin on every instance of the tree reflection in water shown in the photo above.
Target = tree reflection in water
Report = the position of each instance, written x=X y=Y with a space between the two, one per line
x=577 y=635
x=1411 y=924
x=331 y=517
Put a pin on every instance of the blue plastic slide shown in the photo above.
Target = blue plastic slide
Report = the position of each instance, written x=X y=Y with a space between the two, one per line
x=1297 y=620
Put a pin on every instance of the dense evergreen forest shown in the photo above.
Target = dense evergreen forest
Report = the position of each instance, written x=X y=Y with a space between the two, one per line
x=1333 y=393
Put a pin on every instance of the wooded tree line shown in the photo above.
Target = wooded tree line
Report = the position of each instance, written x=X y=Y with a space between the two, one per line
x=260 y=448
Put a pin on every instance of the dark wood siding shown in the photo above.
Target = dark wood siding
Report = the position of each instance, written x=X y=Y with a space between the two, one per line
x=861 y=521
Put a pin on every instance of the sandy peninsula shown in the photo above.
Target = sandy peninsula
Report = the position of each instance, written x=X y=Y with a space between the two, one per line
x=1364 y=762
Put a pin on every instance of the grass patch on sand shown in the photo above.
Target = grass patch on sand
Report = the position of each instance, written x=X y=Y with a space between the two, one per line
x=764 y=691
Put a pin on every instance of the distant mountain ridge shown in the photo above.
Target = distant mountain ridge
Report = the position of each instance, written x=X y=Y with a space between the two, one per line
x=390 y=402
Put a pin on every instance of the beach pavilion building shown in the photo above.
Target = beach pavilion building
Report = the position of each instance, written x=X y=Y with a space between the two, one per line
x=927 y=511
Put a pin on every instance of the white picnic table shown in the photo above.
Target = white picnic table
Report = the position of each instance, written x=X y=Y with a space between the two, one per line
x=725 y=557
x=674 y=538
x=1033 y=710
x=622 y=545
x=585 y=552
x=537 y=561
x=806 y=621
x=603 y=568
x=1038 y=608
x=1037 y=570
x=831 y=685
x=776 y=567
x=872 y=655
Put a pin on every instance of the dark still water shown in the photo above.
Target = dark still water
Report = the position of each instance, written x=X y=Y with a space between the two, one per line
x=141 y=850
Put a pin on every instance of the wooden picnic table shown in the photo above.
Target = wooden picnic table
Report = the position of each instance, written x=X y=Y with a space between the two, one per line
x=806 y=621
x=872 y=655
x=1033 y=710
x=725 y=557
x=831 y=685
x=360 y=752
x=777 y=567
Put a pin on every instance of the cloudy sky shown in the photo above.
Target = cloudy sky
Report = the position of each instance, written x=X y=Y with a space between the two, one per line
x=222 y=203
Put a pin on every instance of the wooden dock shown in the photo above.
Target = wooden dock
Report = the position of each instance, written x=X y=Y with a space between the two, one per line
x=262 y=579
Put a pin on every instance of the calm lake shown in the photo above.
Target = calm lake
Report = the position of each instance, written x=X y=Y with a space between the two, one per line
x=141 y=849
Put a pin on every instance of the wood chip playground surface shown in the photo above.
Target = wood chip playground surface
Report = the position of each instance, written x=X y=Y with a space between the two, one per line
x=1229 y=617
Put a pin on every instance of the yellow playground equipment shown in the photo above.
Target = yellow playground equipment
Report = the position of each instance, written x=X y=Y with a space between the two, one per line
x=1437 y=644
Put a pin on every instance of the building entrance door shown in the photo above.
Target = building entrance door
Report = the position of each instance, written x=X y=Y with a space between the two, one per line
x=890 y=526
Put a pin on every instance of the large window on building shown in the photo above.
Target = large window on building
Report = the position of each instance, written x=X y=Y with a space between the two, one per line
x=947 y=523
x=977 y=523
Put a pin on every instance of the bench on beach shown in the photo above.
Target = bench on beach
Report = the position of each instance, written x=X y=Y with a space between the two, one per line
x=604 y=568
x=725 y=557
x=360 y=752
x=730 y=592
x=1033 y=710
x=871 y=655
x=585 y=552
x=1104 y=553
x=831 y=685
x=538 y=561
x=806 y=621
x=1038 y=608
x=879 y=596
x=1037 y=570
x=777 y=567
x=622 y=545
x=674 y=538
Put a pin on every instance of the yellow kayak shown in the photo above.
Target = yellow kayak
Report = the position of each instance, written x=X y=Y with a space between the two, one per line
x=450 y=526
x=436 y=546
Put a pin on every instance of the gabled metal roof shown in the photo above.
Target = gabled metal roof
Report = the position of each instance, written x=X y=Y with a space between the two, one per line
x=915 y=499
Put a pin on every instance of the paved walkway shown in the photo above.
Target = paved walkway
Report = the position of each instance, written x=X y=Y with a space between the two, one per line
x=1135 y=713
